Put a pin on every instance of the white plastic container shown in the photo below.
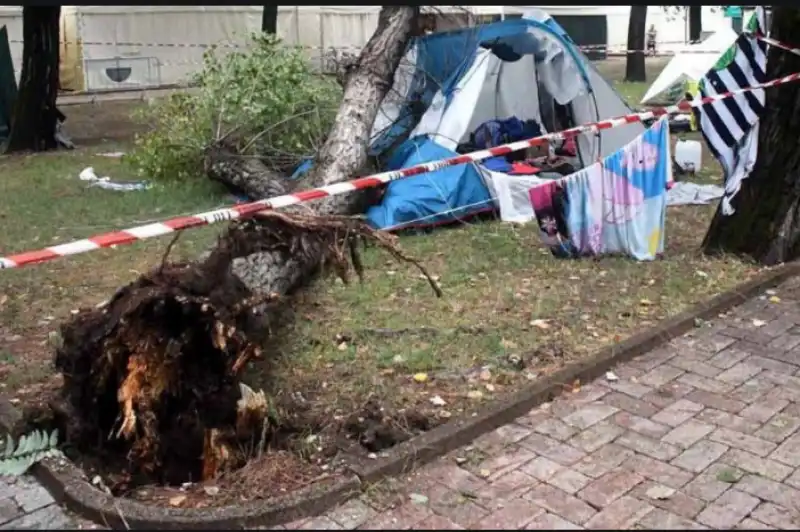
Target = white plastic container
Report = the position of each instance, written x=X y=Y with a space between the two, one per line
x=689 y=155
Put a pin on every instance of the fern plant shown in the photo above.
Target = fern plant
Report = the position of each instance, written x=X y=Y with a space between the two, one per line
x=31 y=448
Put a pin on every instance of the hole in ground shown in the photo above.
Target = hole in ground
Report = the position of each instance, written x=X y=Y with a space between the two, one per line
x=295 y=455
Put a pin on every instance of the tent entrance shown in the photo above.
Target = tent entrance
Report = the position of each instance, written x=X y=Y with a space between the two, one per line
x=503 y=86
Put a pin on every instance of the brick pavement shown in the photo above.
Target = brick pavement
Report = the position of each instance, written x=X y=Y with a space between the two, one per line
x=698 y=434
x=703 y=433
x=25 y=505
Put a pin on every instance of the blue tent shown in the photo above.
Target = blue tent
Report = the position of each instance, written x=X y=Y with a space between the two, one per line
x=450 y=83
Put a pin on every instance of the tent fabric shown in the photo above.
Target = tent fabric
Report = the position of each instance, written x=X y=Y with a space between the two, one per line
x=451 y=83
x=433 y=197
x=689 y=64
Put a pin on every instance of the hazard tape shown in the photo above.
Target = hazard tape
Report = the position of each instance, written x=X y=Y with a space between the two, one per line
x=201 y=46
x=778 y=44
x=609 y=49
x=142 y=232
x=205 y=46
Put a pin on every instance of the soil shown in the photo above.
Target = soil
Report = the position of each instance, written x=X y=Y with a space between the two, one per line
x=332 y=408
x=302 y=453
x=95 y=122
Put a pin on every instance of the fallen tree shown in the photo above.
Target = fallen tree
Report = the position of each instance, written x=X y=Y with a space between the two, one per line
x=153 y=376
x=343 y=156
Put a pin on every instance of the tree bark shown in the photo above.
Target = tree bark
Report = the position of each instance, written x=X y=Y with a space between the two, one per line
x=342 y=157
x=766 y=221
x=34 y=119
x=154 y=375
x=243 y=175
x=269 y=19
x=635 y=67
x=695 y=22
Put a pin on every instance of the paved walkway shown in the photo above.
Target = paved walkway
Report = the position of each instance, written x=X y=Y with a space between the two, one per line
x=25 y=505
x=701 y=433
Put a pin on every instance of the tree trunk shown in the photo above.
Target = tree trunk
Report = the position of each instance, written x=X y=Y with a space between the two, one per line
x=342 y=157
x=269 y=19
x=34 y=119
x=766 y=221
x=153 y=376
x=635 y=67
x=695 y=22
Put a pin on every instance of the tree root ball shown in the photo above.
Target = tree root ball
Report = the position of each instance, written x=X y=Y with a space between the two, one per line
x=152 y=376
x=153 y=373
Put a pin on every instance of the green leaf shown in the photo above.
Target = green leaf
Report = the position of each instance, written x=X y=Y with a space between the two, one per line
x=270 y=92
x=9 y=447
x=30 y=449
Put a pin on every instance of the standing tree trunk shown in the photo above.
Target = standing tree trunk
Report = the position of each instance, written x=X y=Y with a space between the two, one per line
x=269 y=19
x=635 y=67
x=34 y=119
x=766 y=221
x=695 y=22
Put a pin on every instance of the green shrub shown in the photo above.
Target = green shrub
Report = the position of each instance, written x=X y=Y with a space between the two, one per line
x=268 y=98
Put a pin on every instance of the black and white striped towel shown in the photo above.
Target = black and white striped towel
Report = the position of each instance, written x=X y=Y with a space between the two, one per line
x=730 y=126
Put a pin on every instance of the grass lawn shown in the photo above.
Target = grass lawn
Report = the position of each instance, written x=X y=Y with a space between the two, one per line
x=511 y=311
x=44 y=204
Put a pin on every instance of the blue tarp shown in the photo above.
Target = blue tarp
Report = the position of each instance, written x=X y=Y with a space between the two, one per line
x=430 y=198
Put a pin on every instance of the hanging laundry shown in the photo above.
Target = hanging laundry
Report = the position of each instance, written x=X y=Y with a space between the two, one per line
x=585 y=191
x=619 y=204
x=549 y=203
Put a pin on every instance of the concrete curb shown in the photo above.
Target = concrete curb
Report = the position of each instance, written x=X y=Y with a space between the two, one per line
x=69 y=485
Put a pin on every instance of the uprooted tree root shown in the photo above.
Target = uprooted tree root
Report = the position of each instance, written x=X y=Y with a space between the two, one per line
x=153 y=377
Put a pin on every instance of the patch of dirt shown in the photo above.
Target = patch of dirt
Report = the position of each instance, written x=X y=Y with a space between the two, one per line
x=368 y=366
x=273 y=474
x=90 y=124
x=365 y=367
x=302 y=452
x=29 y=354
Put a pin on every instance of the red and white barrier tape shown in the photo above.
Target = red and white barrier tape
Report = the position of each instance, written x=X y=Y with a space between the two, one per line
x=778 y=44
x=326 y=50
x=223 y=44
x=128 y=236
x=620 y=48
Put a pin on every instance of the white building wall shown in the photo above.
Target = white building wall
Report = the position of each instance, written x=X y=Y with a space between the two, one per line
x=169 y=41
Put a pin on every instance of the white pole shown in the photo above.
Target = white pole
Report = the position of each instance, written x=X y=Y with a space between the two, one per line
x=502 y=12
